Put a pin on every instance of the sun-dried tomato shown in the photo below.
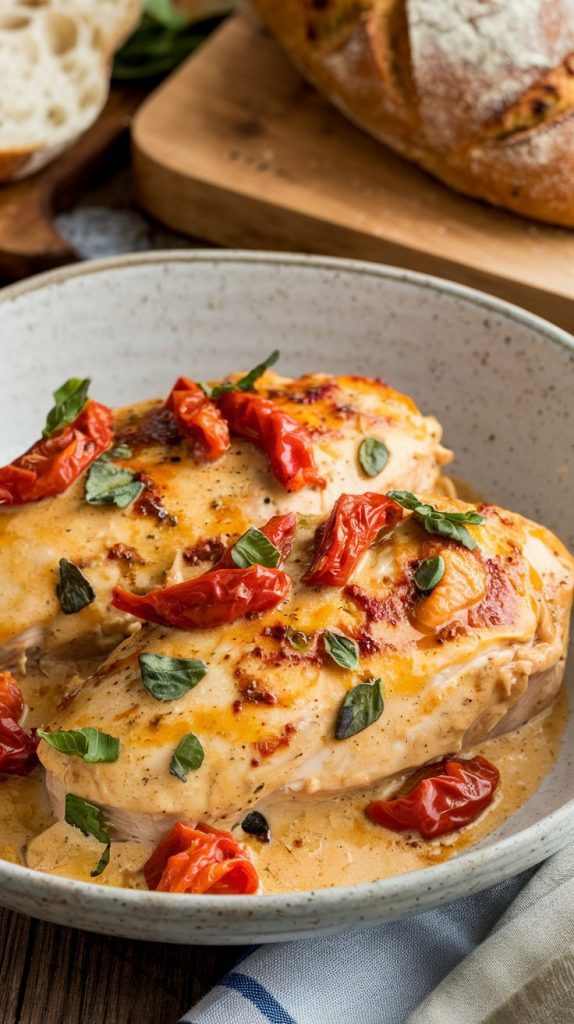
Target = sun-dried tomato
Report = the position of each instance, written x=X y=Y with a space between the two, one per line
x=201 y=860
x=286 y=442
x=451 y=797
x=198 y=419
x=17 y=747
x=353 y=525
x=52 y=464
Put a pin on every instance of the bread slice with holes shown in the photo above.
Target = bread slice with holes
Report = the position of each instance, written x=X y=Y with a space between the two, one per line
x=54 y=74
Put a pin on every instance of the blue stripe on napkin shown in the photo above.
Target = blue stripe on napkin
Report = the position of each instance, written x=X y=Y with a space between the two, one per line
x=259 y=996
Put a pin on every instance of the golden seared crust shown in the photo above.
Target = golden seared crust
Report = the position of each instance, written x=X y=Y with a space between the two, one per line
x=481 y=94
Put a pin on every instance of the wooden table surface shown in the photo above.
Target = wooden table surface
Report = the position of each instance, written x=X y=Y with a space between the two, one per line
x=54 y=975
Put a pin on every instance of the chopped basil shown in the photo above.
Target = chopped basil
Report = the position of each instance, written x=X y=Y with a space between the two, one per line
x=188 y=756
x=70 y=399
x=121 y=451
x=256 y=824
x=244 y=383
x=429 y=573
x=445 y=524
x=253 y=548
x=73 y=589
x=93 y=746
x=373 y=456
x=362 y=706
x=170 y=678
x=297 y=639
x=92 y=822
x=342 y=650
x=107 y=484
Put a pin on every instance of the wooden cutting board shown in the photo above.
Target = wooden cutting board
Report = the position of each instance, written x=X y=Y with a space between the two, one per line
x=237 y=149
x=29 y=239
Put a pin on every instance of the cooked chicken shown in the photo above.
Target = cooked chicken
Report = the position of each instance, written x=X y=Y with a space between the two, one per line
x=190 y=507
x=477 y=654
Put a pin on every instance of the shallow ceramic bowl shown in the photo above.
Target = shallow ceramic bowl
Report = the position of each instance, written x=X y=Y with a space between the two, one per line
x=499 y=379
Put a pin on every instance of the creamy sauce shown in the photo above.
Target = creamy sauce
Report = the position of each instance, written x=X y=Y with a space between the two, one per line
x=316 y=843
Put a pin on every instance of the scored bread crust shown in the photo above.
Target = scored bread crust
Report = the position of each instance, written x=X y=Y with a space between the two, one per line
x=478 y=92
x=55 y=58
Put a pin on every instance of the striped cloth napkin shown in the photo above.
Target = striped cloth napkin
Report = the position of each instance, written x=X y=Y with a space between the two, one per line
x=504 y=956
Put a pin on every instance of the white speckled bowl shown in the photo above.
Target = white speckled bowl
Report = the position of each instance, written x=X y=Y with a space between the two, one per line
x=500 y=380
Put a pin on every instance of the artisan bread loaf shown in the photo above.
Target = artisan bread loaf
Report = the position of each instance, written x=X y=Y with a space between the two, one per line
x=54 y=73
x=478 y=92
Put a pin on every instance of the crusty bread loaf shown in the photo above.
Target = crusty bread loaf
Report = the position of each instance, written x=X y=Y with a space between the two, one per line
x=478 y=92
x=54 y=73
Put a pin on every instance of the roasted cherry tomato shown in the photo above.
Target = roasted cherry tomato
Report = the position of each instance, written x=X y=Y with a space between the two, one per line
x=453 y=796
x=354 y=524
x=17 y=748
x=52 y=464
x=286 y=443
x=198 y=419
x=201 y=860
x=219 y=596
x=280 y=530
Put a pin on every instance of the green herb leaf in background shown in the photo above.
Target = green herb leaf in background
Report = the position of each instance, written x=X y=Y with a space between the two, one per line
x=342 y=650
x=362 y=706
x=163 y=39
x=73 y=589
x=253 y=548
x=247 y=382
x=429 y=573
x=121 y=451
x=107 y=484
x=298 y=640
x=93 y=746
x=373 y=456
x=170 y=678
x=91 y=821
x=70 y=399
x=445 y=524
x=187 y=757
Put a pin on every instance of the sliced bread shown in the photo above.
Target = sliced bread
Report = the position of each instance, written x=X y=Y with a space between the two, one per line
x=54 y=73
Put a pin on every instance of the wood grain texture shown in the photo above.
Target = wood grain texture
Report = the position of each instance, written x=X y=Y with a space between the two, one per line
x=236 y=148
x=53 y=975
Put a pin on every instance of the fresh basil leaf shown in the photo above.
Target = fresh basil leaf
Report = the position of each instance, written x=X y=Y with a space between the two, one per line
x=93 y=746
x=373 y=456
x=170 y=678
x=445 y=524
x=342 y=650
x=256 y=824
x=121 y=451
x=102 y=863
x=107 y=484
x=298 y=640
x=406 y=499
x=253 y=548
x=362 y=706
x=70 y=399
x=246 y=383
x=73 y=589
x=91 y=821
x=446 y=528
x=187 y=757
x=429 y=572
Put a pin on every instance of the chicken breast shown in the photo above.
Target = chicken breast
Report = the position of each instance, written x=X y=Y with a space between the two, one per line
x=189 y=509
x=479 y=654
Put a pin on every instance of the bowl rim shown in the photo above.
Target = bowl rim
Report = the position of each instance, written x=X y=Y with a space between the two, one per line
x=535 y=842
